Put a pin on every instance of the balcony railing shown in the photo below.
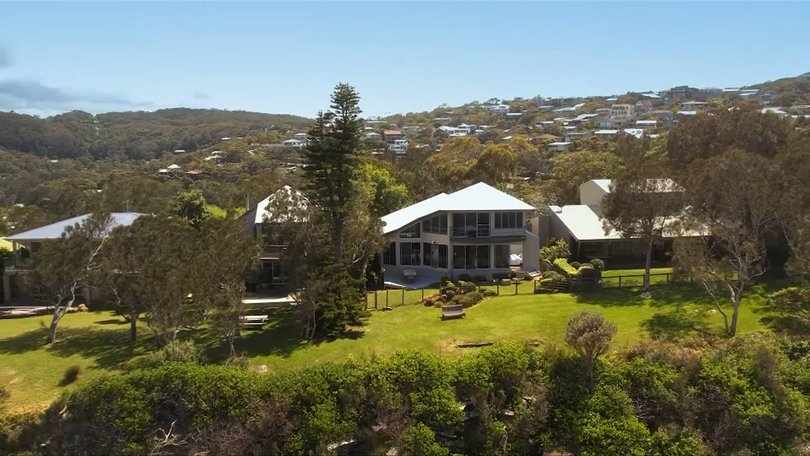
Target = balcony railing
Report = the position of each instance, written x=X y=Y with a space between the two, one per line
x=486 y=232
x=17 y=263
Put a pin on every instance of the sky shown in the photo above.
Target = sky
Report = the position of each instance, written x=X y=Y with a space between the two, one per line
x=401 y=57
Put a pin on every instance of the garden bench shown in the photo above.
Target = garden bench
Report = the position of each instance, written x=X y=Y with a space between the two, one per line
x=454 y=311
x=253 y=321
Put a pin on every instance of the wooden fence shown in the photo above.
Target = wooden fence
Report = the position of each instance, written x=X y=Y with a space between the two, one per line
x=392 y=297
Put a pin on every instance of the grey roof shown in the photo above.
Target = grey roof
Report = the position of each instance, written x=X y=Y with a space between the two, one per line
x=55 y=230
x=477 y=197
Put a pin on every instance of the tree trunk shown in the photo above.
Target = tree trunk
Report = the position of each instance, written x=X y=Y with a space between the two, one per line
x=647 y=265
x=735 y=300
x=57 y=315
x=133 y=328
x=338 y=233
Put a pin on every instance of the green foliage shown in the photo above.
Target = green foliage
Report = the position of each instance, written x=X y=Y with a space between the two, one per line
x=419 y=440
x=562 y=265
x=556 y=248
x=191 y=207
x=468 y=299
x=176 y=351
x=792 y=304
x=609 y=427
x=598 y=264
x=330 y=302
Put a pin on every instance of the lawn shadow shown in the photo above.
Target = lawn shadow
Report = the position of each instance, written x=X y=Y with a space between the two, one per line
x=108 y=348
x=677 y=325
x=662 y=295
x=281 y=336
x=111 y=321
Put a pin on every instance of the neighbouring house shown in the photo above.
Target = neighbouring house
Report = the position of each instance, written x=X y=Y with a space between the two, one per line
x=262 y=222
x=478 y=230
x=399 y=146
x=559 y=146
x=622 y=111
x=696 y=106
x=571 y=136
x=390 y=136
x=646 y=123
x=606 y=134
x=373 y=137
x=26 y=247
x=582 y=226
x=638 y=133
x=301 y=136
x=296 y=144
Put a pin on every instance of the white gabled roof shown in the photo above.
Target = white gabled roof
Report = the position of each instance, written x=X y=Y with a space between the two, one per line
x=55 y=230
x=583 y=223
x=604 y=184
x=477 y=197
x=286 y=196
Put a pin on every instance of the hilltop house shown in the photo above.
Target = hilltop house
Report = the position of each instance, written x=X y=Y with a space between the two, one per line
x=26 y=247
x=583 y=227
x=262 y=221
x=478 y=230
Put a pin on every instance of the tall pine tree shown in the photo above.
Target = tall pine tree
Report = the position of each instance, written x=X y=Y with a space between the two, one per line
x=332 y=159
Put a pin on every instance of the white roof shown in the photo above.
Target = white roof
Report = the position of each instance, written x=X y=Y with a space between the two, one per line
x=687 y=113
x=173 y=166
x=477 y=197
x=285 y=193
x=606 y=132
x=55 y=230
x=582 y=222
x=637 y=132
x=585 y=225
x=560 y=143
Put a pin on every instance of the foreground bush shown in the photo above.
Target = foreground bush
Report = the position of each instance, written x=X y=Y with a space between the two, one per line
x=747 y=396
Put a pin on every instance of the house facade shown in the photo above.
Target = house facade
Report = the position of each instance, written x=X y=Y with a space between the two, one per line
x=478 y=231
x=262 y=222
x=584 y=228
x=26 y=246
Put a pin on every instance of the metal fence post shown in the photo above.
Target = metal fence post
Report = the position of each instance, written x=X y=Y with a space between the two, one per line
x=403 y=297
x=620 y=281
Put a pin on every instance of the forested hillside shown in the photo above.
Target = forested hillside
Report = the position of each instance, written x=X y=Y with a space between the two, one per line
x=133 y=135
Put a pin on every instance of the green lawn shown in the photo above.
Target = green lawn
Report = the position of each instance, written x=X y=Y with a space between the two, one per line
x=97 y=341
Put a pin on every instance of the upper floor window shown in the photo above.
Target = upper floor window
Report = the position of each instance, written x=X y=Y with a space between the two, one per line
x=508 y=220
x=436 y=224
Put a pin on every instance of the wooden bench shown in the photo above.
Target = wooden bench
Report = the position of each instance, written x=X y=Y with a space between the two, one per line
x=253 y=321
x=454 y=311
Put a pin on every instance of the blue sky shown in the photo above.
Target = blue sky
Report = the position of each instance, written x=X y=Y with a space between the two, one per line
x=402 y=57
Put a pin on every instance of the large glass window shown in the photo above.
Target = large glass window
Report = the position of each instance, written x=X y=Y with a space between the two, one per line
x=502 y=256
x=390 y=254
x=458 y=257
x=410 y=253
x=482 y=257
x=442 y=256
x=471 y=257
x=436 y=224
x=471 y=224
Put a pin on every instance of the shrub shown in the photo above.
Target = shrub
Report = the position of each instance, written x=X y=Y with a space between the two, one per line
x=469 y=299
x=556 y=248
x=488 y=292
x=563 y=267
x=450 y=293
x=419 y=440
x=444 y=280
x=552 y=275
x=428 y=302
x=466 y=287
x=575 y=264
x=71 y=375
x=447 y=286
x=598 y=264
x=464 y=278
x=587 y=271
x=175 y=351
x=81 y=307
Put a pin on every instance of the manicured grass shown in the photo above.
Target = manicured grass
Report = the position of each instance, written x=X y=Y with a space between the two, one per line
x=97 y=341
x=628 y=272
